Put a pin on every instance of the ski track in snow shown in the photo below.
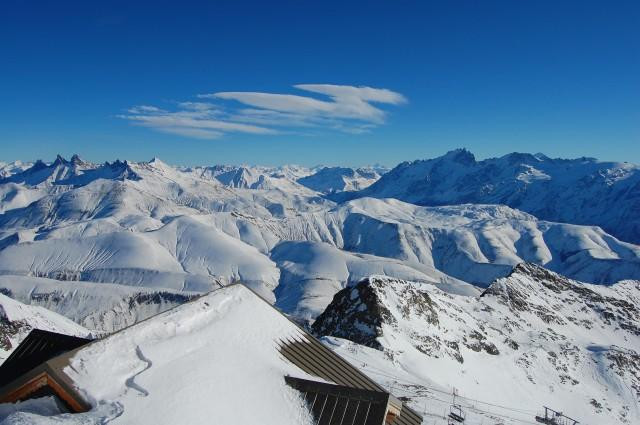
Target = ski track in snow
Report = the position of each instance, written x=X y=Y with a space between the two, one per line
x=130 y=382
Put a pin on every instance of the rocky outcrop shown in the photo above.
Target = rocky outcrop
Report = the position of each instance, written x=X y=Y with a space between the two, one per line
x=577 y=341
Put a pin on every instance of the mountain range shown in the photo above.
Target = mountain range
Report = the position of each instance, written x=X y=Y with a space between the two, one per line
x=579 y=191
x=442 y=273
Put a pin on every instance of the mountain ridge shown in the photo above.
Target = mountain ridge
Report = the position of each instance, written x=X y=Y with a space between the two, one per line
x=579 y=342
x=579 y=191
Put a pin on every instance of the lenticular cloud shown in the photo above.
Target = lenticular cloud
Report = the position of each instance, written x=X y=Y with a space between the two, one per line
x=332 y=107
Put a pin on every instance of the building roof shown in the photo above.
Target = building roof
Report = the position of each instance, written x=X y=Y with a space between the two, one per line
x=212 y=356
x=38 y=347
x=341 y=405
x=316 y=359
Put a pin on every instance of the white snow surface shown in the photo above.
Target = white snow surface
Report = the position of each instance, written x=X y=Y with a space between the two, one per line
x=213 y=360
x=110 y=245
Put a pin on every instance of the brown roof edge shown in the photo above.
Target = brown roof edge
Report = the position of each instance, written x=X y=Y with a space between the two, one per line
x=48 y=375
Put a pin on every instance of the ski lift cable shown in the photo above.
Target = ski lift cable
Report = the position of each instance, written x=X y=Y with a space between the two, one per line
x=515 y=409
x=383 y=373
x=490 y=414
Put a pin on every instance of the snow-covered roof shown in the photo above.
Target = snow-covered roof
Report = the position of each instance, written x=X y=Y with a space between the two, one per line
x=214 y=357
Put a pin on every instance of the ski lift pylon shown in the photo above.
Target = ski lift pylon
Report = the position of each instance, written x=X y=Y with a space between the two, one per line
x=456 y=414
x=553 y=417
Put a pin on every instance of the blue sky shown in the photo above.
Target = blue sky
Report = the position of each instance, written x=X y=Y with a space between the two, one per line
x=305 y=82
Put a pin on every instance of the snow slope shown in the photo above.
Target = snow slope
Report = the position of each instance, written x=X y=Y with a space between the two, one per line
x=97 y=306
x=9 y=168
x=207 y=360
x=579 y=191
x=533 y=338
x=155 y=226
x=341 y=179
x=17 y=320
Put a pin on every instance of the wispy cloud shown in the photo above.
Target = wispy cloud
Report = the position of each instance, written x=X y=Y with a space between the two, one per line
x=344 y=108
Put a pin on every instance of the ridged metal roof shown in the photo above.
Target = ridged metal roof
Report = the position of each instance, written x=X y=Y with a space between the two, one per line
x=339 y=405
x=314 y=358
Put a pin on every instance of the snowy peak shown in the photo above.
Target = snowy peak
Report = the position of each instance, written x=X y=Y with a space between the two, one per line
x=578 y=191
x=11 y=168
x=56 y=172
x=239 y=178
x=538 y=291
x=76 y=172
x=580 y=342
x=341 y=179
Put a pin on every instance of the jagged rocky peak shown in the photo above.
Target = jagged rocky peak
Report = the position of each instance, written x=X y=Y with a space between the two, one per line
x=461 y=156
x=377 y=308
x=579 y=342
x=79 y=162
x=555 y=298
x=356 y=313
x=119 y=170
x=59 y=160
x=74 y=161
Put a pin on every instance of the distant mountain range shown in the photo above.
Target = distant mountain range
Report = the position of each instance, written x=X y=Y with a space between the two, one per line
x=578 y=191
x=153 y=225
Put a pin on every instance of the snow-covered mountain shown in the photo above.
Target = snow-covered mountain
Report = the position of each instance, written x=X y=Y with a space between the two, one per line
x=60 y=170
x=99 y=307
x=17 y=320
x=9 y=168
x=532 y=338
x=579 y=191
x=341 y=179
x=155 y=226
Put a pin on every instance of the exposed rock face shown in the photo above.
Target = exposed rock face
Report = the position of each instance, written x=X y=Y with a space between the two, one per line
x=565 y=341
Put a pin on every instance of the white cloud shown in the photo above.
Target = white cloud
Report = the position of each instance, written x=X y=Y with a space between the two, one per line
x=196 y=133
x=191 y=120
x=345 y=108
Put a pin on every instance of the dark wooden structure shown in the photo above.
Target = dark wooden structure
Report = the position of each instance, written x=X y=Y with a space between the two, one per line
x=38 y=347
x=34 y=369
x=339 y=405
